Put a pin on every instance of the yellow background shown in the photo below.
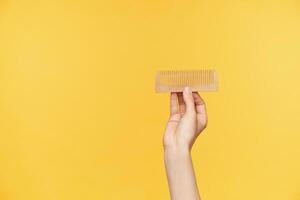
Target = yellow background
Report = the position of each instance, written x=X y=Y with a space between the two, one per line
x=79 y=118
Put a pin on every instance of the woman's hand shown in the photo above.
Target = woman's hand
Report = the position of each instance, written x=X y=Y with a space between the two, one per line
x=187 y=120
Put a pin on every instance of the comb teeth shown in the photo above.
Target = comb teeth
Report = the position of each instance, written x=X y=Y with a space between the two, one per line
x=175 y=81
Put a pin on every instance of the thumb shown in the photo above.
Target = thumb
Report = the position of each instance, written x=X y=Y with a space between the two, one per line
x=189 y=101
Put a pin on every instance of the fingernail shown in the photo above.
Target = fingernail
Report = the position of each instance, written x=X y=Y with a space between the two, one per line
x=187 y=90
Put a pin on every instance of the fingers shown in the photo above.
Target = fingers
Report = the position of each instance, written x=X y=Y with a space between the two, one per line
x=200 y=110
x=189 y=101
x=174 y=115
x=181 y=103
x=173 y=103
x=199 y=103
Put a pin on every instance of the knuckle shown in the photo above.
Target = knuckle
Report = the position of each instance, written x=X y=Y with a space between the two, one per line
x=193 y=112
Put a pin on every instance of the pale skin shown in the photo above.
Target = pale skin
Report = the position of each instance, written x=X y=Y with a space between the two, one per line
x=187 y=120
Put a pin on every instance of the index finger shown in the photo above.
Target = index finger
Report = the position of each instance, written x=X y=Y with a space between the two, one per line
x=173 y=103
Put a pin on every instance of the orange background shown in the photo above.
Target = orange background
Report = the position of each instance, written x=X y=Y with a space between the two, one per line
x=79 y=118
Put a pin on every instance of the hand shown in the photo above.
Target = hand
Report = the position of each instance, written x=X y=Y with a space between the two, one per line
x=187 y=120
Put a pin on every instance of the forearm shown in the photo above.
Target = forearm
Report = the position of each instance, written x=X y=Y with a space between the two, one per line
x=181 y=176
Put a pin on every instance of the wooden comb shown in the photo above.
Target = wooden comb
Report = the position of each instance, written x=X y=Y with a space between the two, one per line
x=175 y=81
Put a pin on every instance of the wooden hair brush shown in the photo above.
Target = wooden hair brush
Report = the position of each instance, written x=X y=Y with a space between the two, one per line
x=197 y=80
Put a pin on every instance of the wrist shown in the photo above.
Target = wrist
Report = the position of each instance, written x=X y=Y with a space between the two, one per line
x=176 y=152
